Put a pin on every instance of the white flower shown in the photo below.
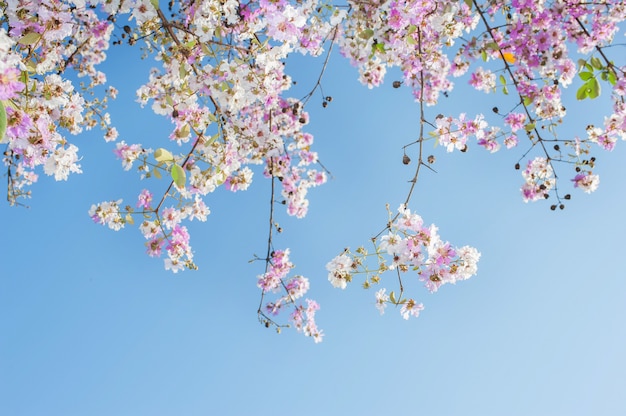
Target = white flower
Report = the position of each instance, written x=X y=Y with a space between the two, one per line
x=338 y=270
x=62 y=162
x=381 y=300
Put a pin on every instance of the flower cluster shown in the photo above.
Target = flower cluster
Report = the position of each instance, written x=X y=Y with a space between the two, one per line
x=275 y=280
x=40 y=41
x=409 y=245
x=539 y=177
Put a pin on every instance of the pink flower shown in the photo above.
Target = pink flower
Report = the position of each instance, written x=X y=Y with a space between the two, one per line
x=586 y=181
x=9 y=84
x=144 y=199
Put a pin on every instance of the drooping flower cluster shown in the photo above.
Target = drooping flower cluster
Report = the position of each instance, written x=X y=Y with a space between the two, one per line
x=275 y=280
x=408 y=246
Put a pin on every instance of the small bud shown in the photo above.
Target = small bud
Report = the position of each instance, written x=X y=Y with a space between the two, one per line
x=406 y=159
x=431 y=159
x=397 y=84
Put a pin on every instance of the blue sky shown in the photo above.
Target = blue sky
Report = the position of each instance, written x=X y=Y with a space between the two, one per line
x=89 y=325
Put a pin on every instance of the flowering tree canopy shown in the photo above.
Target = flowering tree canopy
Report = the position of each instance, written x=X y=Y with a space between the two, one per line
x=220 y=79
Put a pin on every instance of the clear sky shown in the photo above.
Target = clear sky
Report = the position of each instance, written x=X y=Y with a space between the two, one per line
x=90 y=325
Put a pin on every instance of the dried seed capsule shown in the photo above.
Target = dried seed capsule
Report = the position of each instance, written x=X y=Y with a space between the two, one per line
x=406 y=159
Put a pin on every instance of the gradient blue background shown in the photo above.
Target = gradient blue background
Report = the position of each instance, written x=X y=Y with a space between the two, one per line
x=89 y=325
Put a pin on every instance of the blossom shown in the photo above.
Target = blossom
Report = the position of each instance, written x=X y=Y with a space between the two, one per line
x=338 y=271
x=410 y=308
x=10 y=84
x=587 y=182
x=381 y=300
x=61 y=162
x=144 y=199
x=107 y=213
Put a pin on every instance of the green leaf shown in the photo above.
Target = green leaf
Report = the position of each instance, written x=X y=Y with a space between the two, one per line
x=3 y=121
x=528 y=101
x=492 y=46
x=505 y=90
x=183 y=132
x=596 y=63
x=392 y=297
x=611 y=77
x=366 y=34
x=157 y=173
x=155 y=3
x=129 y=219
x=529 y=127
x=29 y=39
x=483 y=55
x=163 y=155
x=411 y=29
x=585 y=75
x=468 y=3
x=502 y=79
x=179 y=176
x=212 y=139
x=581 y=93
x=593 y=88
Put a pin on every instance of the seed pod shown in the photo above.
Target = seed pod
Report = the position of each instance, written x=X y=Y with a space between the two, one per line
x=495 y=110
x=568 y=196
x=431 y=159
x=406 y=159
x=517 y=166
x=397 y=84
x=324 y=104
x=329 y=98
